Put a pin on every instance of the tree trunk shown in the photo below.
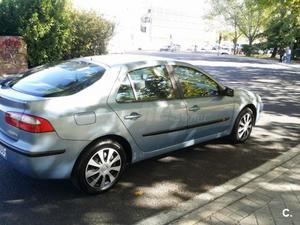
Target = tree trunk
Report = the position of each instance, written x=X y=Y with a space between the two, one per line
x=234 y=45
x=274 y=53
x=235 y=38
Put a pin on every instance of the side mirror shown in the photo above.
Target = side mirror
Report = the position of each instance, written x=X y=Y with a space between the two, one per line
x=227 y=92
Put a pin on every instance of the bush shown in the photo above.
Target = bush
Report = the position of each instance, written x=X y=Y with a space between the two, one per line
x=248 y=50
x=90 y=34
x=53 y=30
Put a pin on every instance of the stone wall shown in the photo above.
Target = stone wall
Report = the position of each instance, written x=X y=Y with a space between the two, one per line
x=13 y=55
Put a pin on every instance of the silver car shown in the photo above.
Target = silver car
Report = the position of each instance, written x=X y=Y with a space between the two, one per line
x=87 y=118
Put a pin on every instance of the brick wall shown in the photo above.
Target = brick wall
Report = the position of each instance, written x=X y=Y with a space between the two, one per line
x=13 y=55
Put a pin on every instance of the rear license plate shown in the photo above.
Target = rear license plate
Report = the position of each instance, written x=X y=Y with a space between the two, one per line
x=2 y=151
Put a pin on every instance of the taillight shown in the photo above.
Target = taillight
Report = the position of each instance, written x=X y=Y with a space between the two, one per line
x=30 y=123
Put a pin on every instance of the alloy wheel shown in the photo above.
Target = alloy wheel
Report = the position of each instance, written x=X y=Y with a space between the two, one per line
x=103 y=168
x=245 y=126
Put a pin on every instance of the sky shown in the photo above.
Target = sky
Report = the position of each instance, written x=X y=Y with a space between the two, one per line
x=119 y=6
x=175 y=21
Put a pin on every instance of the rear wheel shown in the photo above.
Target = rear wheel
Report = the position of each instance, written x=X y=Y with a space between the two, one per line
x=100 y=167
x=243 y=126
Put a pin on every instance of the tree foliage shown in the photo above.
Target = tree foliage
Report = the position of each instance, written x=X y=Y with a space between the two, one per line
x=283 y=27
x=229 y=9
x=53 y=30
x=251 y=20
x=245 y=16
x=90 y=33
x=278 y=21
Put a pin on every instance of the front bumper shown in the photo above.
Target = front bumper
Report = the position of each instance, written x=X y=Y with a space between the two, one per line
x=260 y=107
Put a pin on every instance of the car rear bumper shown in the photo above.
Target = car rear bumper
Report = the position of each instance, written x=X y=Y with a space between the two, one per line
x=48 y=164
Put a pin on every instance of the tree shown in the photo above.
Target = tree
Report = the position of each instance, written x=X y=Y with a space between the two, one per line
x=44 y=24
x=232 y=36
x=246 y=16
x=283 y=28
x=90 y=33
x=229 y=9
x=53 y=30
x=251 y=20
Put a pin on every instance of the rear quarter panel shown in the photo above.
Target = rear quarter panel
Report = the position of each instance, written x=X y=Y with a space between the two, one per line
x=64 y=113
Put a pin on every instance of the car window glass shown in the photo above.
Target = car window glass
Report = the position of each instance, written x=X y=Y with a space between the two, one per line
x=194 y=83
x=152 y=83
x=125 y=92
x=60 y=79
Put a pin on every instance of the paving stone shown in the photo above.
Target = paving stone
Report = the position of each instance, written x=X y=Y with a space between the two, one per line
x=259 y=182
x=262 y=191
x=226 y=211
x=224 y=219
x=291 y=163
x=259 y=195
x=201 y=223
x=204 y=212
x=293 y=177
x=249 y=220
x=233 y=215
x=215 y=221
x=240 y=212
x=242 y=207
x=286 y=221
x=291 y=201
x=264 y=216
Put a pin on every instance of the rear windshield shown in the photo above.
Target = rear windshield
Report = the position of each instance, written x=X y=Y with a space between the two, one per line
x=58 y=80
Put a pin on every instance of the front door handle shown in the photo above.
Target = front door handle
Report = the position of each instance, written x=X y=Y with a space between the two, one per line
x=194 y=108
x=132 y=116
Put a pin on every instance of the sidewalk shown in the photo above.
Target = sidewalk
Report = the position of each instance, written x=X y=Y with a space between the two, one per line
x=269 y=194
x=293 y=64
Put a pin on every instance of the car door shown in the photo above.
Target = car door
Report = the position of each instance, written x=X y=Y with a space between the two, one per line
x=209 y=113
x=148 y=105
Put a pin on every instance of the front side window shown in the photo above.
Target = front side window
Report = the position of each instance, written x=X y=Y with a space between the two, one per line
x=58 y=80
x=194 y=83
x=152 y=83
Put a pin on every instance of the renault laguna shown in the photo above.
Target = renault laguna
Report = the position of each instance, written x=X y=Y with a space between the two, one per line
x=86 y=119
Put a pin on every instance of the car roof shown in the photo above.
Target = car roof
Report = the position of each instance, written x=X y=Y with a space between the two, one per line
x=124 y=59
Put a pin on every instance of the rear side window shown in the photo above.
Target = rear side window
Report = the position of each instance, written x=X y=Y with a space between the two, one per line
x=58 y=80
x=125 y=93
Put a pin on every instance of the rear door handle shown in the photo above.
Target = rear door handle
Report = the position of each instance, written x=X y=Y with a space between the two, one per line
x=194 y=108
x=132 y=116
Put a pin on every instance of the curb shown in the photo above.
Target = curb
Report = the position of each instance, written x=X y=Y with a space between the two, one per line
x=185 y=208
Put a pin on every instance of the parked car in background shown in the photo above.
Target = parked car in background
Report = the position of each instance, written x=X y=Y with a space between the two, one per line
x=225 y=51
x=87 y=118
x=170 y=48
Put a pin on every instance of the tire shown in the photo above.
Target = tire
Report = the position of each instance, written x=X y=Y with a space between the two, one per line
x=243 y=126
x=100 y=167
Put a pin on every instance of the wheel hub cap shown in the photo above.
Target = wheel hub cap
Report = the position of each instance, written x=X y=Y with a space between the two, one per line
x=103 y=168
x=245 y=126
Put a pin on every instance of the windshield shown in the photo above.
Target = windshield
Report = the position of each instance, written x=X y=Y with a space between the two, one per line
x=58 y=80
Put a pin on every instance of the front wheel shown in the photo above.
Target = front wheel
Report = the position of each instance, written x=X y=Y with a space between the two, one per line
x=243 y=126
x=99 y=168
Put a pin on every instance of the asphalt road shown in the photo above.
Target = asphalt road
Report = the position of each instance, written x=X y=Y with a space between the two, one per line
x=159 y=184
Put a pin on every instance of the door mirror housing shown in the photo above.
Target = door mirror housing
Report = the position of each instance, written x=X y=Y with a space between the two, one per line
x=227 y=92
